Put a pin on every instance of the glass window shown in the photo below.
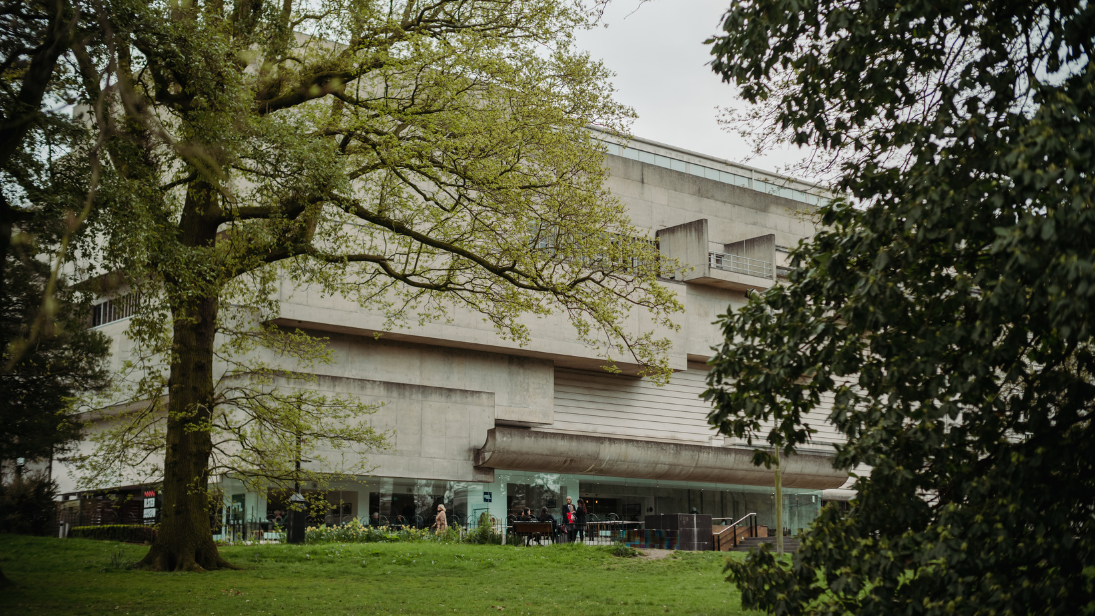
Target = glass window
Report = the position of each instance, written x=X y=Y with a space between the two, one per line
x=677 y=165
x=661 y=161
x=646 y=157
x=631 y=153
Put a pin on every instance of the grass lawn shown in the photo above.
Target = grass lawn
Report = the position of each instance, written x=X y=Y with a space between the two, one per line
x=80 y=576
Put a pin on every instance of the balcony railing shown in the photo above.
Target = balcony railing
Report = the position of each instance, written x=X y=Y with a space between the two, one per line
x=739 y=264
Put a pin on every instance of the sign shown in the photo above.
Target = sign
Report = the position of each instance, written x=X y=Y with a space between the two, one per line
x=488 y=497
x=151 y=507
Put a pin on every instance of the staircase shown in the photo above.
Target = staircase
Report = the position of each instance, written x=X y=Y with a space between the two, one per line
x=745 y=544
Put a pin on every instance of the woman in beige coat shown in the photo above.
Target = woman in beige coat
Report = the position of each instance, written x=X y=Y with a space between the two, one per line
x=440 y=524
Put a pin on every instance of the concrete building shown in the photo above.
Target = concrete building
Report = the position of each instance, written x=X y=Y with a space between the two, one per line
x=481 y=424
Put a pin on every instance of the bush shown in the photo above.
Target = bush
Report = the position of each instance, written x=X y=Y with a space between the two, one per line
x=623 y=550
x=27 y=507
x=484 y=533
x=132 y=533
x=356 y=532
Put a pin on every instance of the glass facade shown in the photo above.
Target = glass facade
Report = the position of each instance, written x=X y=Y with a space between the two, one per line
x=414 y=501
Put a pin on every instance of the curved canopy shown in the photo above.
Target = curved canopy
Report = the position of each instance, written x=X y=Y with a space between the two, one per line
x=528 y=450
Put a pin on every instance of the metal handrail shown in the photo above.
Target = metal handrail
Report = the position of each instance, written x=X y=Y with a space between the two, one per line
x=734 y=527
x=740 y=264
x=742 y=518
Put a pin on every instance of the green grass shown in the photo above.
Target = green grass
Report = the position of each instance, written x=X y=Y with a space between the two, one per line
x=78 y=576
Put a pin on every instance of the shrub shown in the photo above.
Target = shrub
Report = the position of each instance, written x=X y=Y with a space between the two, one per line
x=356 y=532
x=132 y=533
x=119 y=561
x=484 y=533
x=623 y=550
x=27 y=507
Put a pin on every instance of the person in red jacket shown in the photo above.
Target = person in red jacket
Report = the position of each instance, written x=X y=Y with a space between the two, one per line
x=569 y=520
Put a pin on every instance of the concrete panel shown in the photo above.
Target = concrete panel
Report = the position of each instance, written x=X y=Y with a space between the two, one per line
x=424 y=446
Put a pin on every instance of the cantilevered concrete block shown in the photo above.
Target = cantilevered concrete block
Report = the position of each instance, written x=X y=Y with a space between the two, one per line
x=743 y=266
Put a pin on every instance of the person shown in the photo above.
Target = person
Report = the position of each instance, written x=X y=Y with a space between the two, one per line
x=567 y=523
x=441 y=522
x=374 y=520
x=547 y=517
x=581 y=517
x=525 y=515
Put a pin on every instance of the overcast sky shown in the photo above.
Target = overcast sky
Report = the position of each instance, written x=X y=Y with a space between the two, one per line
x=660 y=61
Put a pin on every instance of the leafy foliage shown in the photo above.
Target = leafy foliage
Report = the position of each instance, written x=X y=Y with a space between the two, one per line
x=27 y=505
x=46 y=194
x=43 y=383
x=946 y=303
x=484 y=533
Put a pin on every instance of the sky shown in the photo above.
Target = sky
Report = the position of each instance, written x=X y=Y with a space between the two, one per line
x=656 y=50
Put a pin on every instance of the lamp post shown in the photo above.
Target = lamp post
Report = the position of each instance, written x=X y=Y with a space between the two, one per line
x=779 y=507
x=298 y=506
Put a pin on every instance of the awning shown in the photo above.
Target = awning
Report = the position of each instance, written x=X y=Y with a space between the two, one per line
x=519 y=449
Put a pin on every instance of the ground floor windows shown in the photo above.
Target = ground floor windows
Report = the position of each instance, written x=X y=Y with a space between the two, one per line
x=413 y=502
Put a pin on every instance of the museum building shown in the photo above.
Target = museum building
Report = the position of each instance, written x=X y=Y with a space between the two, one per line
x=481 y=424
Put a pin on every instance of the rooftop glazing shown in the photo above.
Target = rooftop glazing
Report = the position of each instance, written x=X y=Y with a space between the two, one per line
x=634 y=152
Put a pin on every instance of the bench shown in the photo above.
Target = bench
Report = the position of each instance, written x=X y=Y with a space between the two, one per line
x=529 y=530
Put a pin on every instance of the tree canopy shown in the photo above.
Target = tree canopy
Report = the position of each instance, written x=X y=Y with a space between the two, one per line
x=415 y=157
x=946 y=302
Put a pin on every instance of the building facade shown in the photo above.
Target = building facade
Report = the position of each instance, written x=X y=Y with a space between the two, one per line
x=480 y=424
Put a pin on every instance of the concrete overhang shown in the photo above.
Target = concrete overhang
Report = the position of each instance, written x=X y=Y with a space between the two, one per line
x=731 y=280
x=530 y=450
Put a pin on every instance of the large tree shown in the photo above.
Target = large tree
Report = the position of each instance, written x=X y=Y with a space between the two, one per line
x=417 y=157
x=947 y=302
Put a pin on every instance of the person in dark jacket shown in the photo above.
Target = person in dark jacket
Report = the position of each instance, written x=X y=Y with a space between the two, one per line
x=581 y=520
x=547 y=517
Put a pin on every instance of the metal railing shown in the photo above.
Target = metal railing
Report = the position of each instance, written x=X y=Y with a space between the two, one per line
x=719 y=537
x=740 y=264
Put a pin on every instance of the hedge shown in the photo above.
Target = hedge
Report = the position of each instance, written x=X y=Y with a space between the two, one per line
x=133 y=533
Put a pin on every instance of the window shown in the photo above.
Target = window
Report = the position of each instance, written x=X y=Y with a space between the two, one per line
x=121 y=307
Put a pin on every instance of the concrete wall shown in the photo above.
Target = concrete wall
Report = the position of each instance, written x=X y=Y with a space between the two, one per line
x=434 y=430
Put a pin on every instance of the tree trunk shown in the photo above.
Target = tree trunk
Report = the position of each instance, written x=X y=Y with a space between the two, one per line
x=5 y=582
x=185 y=539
